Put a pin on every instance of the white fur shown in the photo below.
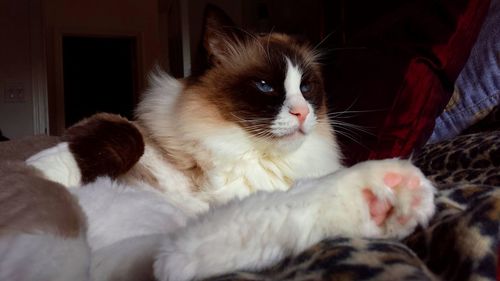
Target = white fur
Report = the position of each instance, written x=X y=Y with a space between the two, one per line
x=260 y=230
x=286 y=123
x=127 y=221
x=128 y=259
x=237 y=164
x=125 y=227
x=240 y=169
x=116 y=212
x=57 y=164
x=237 y=167
x=175 y=185
x=39 y=256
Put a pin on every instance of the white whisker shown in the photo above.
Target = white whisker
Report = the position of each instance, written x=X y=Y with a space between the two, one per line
x=352 y=126
x=340 y=113
x=345 y=134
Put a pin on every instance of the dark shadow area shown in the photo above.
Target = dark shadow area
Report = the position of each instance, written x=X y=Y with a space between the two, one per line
x=99 y=76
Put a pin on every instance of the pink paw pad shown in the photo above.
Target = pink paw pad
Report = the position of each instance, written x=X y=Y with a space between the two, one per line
x=379 y=209
x=392 y=179
x=403 y=219
x=413 y=183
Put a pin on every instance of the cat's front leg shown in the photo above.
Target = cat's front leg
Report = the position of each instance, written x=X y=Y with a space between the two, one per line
x=380 y=199
x=385 y=198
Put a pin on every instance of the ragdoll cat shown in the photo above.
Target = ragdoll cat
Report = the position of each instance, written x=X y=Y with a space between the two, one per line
x=234 y=168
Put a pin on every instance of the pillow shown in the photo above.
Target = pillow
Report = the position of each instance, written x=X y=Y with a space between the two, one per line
x=397 y=71
x=477 y=89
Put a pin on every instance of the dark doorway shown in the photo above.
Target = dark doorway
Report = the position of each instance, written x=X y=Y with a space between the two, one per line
x=99 y=76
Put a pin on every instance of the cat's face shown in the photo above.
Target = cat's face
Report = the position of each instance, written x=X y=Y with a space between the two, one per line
x=270 y=85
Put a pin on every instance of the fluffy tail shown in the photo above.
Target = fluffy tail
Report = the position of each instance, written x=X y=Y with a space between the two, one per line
x=104 y=145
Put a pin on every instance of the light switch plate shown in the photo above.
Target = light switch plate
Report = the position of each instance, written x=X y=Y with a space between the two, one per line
x=14 y=92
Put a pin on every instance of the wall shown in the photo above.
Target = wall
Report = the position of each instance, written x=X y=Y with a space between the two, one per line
x=196 y=8
x=304 y=17
x=16 y=116
x=30 y=52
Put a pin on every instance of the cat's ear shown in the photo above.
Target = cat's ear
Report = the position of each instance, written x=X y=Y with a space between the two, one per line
x=220 y=34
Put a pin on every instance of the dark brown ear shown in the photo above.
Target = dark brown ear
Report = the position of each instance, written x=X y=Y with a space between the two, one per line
x=220 y=33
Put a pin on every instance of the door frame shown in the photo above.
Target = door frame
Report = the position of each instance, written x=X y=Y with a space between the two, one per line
x=56 y=72
x=38 y=70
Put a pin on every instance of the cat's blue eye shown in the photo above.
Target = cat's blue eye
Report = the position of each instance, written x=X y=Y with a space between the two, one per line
x=263 y=86
x=305 y=87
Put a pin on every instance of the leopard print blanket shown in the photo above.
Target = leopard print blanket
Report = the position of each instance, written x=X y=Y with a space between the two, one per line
x=461 y=242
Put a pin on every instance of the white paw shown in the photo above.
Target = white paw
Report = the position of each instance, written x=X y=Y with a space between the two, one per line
x=380 y=199
x=397 y=194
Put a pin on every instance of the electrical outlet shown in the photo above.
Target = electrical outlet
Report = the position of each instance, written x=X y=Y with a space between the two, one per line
x=14 y=93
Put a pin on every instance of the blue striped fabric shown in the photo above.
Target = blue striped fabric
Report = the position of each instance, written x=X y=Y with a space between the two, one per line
x=477 y=89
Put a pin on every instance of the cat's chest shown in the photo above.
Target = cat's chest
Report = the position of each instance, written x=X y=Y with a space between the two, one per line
x=245 y=174
x=235 y=167
x=228 y=165
x=226 y=175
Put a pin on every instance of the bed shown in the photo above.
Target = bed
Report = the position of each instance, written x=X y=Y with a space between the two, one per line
x=462 y=240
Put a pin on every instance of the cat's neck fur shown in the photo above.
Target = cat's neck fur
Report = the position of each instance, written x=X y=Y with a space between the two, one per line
x=221 y=160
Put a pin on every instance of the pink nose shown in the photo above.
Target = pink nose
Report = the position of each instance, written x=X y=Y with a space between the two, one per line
x=301 y=111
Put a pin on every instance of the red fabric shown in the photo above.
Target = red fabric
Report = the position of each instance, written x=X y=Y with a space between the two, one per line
x=413 y=110
x=404 y=74
x=422 y=96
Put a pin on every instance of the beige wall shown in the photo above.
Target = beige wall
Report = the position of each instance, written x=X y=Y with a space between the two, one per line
x=16 y=119
x=30 y=50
